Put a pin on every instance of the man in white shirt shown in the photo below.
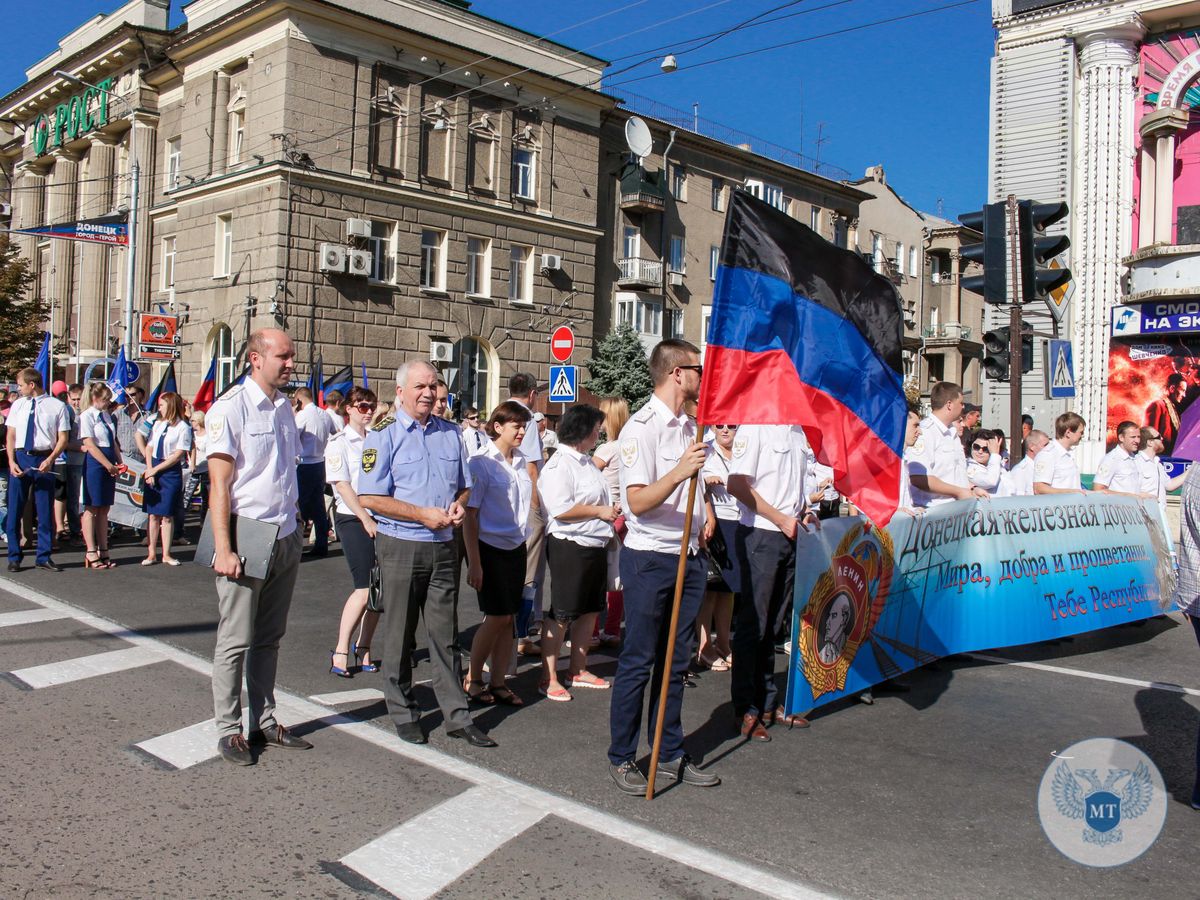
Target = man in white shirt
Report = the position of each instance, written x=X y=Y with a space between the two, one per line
x=252 y=450
x=936 y=463
x=1054 y=469
x=38 y=429
x=549 y=438
x=1019 y=480
x=335 y=408
x=659 y=454
x=315 y=429
x=474 y=437
x=767 y=475
x=523 y=388
x=1118 y=471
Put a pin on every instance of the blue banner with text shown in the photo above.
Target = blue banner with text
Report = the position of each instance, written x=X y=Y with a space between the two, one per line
x=873 y=603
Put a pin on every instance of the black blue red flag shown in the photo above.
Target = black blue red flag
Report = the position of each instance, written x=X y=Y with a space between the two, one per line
x=806 y=333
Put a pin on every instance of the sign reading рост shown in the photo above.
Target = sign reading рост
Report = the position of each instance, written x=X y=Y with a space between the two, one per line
x=84 y=112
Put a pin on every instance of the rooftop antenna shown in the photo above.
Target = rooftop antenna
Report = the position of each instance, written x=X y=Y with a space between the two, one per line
x=637 y=138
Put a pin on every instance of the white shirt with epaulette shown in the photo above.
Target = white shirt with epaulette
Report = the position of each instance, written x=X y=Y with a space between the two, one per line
x=651 y=444
x=1118 y=471
x=259 y=434
x=939 y=453
x=774 y=458
x=1055 y=466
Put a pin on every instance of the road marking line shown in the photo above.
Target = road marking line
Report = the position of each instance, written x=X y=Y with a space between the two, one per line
x=1081 y=673
x=69 y=670
x=694 y=856
x=30 y=616
x=356 y=696
x=432 y=850
x=186 y=747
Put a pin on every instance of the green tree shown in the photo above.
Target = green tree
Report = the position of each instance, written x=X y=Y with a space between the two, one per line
x=22 y=317
x=619 y=368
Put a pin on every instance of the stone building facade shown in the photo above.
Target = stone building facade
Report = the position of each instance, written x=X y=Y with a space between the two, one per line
x=384 y=179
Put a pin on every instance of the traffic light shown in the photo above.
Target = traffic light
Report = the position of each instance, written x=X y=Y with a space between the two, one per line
x=1038 y=248
x=990 y=253
x=997 y=363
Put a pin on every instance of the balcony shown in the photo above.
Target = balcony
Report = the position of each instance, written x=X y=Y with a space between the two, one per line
x=946 y=335
x=637 y=273
x=642 y=192
x=1163 y=272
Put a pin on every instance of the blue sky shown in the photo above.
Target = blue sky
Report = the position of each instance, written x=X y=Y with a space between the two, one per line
x=910 y=94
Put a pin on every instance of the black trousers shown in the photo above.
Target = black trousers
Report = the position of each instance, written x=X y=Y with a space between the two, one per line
x=768 y=579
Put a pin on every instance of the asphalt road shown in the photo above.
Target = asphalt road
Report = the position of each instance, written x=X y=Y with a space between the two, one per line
x=928 y=793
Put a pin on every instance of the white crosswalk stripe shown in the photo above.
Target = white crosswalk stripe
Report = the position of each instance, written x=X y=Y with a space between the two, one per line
x=51 y=674
x=30 y=617
x=429 y=851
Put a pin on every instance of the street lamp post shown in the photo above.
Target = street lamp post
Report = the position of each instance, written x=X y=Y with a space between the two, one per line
x=134 y=174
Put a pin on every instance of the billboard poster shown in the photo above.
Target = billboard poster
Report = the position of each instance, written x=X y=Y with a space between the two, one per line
x=1157 y=384
x=158 y=336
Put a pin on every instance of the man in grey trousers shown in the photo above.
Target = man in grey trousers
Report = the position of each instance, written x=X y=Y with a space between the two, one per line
x=253 y=443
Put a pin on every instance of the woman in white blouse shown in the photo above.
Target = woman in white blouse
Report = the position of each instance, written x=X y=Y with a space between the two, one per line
x=984 y=468
x=494 y=534
x=170 y=441
x=356 y=531
x=716 y=611
x=102 y=457
x=579 y=516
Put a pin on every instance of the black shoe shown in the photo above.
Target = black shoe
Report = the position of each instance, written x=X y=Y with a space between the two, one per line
x=314 y=553
x=14 y=567
x=629 y=778
x=683 y=770
x=234 y=749
x=278 y=736
x=412 y=733
x=473 y=736
x=50 y=566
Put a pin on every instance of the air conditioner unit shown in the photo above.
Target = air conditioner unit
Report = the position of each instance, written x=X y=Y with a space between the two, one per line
x=361 y=262
x=358 y=228
x=5 y=209
x=440 y=351
x=333 y=258
x=676 y=279
x=551 y=262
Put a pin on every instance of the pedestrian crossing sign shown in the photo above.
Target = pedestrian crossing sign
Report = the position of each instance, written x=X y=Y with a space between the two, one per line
x=563 y=380
x=1060 y=370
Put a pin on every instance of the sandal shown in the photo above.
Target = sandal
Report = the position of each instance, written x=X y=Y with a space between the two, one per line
x=559 y=694
x=714 y=663
x=372 y=666
x=105 y=561
x=505 y=696
x=339 y=671
x=586 y=679
x=89 y=563
x=483 y=695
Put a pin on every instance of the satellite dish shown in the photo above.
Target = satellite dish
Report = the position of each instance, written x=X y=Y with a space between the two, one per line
x=637 y=138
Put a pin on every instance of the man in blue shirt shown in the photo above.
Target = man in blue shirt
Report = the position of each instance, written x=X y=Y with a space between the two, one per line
x=415 y=482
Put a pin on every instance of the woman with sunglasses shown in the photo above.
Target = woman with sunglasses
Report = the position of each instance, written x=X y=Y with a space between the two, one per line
x=356 y=530
x=716 y=611
x=983 y=462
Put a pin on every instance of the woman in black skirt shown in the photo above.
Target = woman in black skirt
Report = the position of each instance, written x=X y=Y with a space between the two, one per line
x=580 y=513
x=356 y=531
x=494 y=535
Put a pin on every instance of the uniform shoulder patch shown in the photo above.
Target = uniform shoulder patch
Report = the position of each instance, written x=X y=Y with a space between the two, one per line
x=629 y=452
x=382 y=425
x=215 y=425
x=233 y=392
x=643 y=415
x=919 y=445
x=334 y=463
x=368 y=459
x=739 y=446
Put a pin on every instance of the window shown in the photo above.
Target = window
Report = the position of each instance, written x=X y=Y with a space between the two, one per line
x=237 y=131
x=523 y=171
x=222 y=350
x=774 y=195
x=482 y=162
x=389 y=130
x=678 y=258
x=714 y=260
x=224 y=247
x=674 y=324
x=436 y=133
x=877 y=252
x=754 y=187
x=382 y=244
x=168 y=263
x=173 y=164
x=631 y=243
x=520 y=275
x=899 y=258
x=679 y=183
x=912 y=262
x=718 y=194
x=840 y=232
x=433 y=260
x=705 y=319
x=643 y=316
x=479 y=267
x=470 y=374
x=814 y=218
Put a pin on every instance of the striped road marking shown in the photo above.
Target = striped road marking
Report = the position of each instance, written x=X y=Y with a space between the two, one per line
x=30 y=616
x=50 y=674
x=511 y=792
x=1081 y=673
x=428 y=852
x=356 y=696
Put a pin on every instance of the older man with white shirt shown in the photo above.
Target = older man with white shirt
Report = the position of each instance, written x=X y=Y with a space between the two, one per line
x=1019 y=480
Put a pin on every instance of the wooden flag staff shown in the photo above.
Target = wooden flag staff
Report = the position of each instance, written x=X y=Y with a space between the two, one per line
x=666 y=676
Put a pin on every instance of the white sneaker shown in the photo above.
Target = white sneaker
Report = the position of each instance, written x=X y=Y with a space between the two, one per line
x=787 y=647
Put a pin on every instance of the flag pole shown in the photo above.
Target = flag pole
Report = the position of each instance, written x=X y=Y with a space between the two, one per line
x=666 y=676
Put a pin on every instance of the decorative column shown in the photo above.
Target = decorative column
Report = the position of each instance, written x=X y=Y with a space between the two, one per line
x=29 y=208
x=95 y=199
x=1103 y=200
x=220 y=144
x=61 y=203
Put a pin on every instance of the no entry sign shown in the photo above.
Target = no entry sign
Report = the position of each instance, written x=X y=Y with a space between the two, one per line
x=562 y=343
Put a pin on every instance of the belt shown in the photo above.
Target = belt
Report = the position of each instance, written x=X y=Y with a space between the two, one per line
x=36 y=452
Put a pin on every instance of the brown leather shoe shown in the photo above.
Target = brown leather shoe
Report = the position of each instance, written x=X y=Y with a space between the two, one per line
x=752 y=727
x=780 y=717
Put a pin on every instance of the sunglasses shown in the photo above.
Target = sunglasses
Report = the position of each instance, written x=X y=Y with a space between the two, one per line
x=979 y=446
x=472 y=418
x=699 y=370
x=365 y=408
x=724 y=428
x=1154 y=437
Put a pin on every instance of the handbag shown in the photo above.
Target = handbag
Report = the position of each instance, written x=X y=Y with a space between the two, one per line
x=718 y=555
x=375 y=592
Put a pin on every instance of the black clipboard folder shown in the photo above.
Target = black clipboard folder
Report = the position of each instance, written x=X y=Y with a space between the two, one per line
x=253 y=541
